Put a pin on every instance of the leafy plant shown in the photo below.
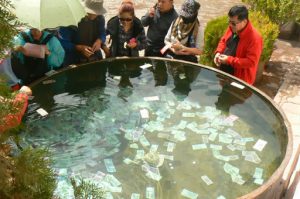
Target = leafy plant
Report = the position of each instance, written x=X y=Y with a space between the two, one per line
x=214 y=30
x=217 y=27
x=279 y=11
x=25 y=173
x=8 y=26
x=86 y=190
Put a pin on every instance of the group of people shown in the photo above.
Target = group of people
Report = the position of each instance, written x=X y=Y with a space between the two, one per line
x=170 y=34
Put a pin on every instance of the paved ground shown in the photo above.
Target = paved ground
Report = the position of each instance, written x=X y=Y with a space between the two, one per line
x=281 y=79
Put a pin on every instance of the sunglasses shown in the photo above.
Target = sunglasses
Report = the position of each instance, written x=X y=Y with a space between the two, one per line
x=125 y=19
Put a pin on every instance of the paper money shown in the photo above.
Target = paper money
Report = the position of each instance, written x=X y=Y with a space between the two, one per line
x=150 y=193
x=204 y=126
x=182 y=76
x=205 y=139
x=225 y=138
x=182 y=124
x=109 y=165
x=259 y=181
x=144 y=113
x=253 y=158
x=231 y=147
x=134 y=146
x=212 y=136
x=91 y=163
x=237 y=85
x=115 y=189
x=170 y=147
x=42 y=112
x=112 y=180
x=260 y=144
x=258 y=173
x=233 y=133
x=153 y=147
x=51 y=72
x=151 y=98
x=135 y=196
x=50 y=81
x=144 y=142
x=207 y=180
x=140 y=154
x=127 y=161
x=215 y=146
x=239 y=141
x=189 y=194
x=199 y=146
x=171 y=103
x=188 y=115
x=145 y=66
x=168 y=157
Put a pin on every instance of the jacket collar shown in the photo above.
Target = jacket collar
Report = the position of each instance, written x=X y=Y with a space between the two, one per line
x=246 y=30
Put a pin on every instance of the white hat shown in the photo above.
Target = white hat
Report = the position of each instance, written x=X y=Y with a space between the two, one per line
x=94 y=7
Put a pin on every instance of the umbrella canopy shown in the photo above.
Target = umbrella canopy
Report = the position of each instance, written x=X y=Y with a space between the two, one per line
x=49 y=13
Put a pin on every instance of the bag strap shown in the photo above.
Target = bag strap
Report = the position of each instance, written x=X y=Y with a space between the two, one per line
x=25 y=37
x=47 y=39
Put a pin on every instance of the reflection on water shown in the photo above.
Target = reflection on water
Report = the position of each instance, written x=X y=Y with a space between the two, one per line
x=171 y=130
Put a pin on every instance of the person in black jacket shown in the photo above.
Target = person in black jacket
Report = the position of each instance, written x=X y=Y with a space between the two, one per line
x=91 y=32
x=126 y=33
x=158 y=19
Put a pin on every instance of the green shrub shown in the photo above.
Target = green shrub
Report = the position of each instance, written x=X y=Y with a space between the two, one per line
x=86 y=190
x=279 y=11
x=217 y=27
x=214 y=30
x=8 y=26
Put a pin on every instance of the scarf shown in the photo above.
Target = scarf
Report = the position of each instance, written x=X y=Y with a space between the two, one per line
x=181 y=30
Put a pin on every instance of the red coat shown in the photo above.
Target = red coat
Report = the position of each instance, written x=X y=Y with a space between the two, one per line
x=14 y=119
x=248 y=52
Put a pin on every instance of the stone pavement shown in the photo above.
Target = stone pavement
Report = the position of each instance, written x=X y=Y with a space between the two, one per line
x=288 y=98
x=281 y=80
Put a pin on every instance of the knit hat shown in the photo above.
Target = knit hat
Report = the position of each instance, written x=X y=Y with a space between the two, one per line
x=94 y=7
x=189 y=9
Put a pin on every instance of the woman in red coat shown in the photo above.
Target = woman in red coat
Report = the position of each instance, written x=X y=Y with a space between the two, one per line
x=19 y=103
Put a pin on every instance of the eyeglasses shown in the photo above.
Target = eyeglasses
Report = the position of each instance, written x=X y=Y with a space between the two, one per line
x=233 y=23
x=126 y=19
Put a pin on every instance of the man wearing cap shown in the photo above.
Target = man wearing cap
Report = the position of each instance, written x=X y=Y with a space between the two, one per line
x=239 y=49
x=91 y=31
x=158 y=19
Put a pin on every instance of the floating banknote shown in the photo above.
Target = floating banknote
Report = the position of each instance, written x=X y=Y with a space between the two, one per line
x=135 y=196
x=212 y=136
x=258 y=173
x=225 y=138
x=199 y=146
x=150 y=193
x=207 y=180
x=153 y=147
x=109 y=165
x=170 y=147
x=189 y=194
x=259 y=181
x=260 y=144
x=189 y=115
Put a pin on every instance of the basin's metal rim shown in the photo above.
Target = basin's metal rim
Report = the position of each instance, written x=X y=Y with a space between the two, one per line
x=279 y=171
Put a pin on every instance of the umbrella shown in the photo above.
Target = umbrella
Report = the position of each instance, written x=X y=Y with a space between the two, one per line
x=49 y=13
